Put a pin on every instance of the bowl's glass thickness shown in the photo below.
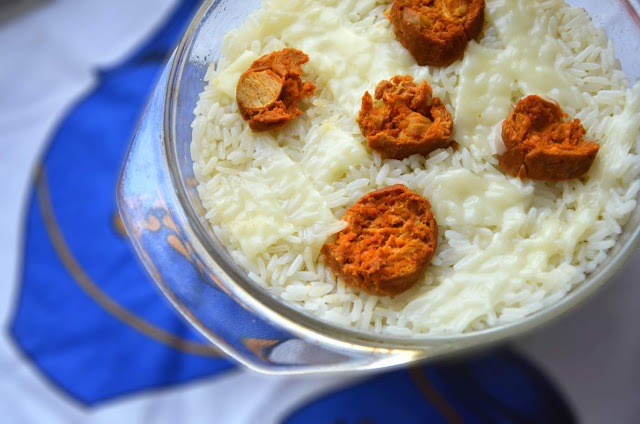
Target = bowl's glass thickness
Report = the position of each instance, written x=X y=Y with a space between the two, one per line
x=201 y=45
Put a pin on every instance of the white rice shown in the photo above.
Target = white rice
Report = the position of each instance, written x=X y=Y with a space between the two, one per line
x=507 y=248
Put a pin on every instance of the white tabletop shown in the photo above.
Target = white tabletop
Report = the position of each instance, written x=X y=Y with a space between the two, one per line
x=49 y=58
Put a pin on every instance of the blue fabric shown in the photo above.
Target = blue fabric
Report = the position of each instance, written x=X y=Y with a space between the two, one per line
x=91 y=321
x=496 y=388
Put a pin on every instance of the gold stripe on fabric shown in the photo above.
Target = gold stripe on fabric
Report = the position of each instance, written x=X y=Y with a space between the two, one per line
x=443 y=407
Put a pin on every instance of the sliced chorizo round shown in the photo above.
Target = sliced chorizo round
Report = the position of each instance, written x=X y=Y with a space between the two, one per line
x=437 y=32
x=405 y=119
x=269 y=91
x=390 y=238
x=542 y=144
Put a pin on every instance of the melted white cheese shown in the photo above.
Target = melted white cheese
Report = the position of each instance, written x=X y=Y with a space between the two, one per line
x=330 y=151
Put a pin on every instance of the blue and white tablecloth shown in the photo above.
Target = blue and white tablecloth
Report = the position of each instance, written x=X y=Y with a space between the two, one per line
x=89 y=337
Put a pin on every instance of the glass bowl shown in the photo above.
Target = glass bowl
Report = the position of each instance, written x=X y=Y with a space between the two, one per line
x=197 y=274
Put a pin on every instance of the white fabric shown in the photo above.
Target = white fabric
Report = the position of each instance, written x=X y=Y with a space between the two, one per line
x=48 y=58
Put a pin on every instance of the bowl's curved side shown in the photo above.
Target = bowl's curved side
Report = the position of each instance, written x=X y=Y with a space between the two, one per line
x=185 y=82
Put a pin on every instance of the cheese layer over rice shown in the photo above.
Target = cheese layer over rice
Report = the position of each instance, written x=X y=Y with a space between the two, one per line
x=507 y=247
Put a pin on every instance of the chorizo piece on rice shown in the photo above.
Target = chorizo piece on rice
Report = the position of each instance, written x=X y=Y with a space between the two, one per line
x=389 y=241
x=268 y=93
x=542 y=145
